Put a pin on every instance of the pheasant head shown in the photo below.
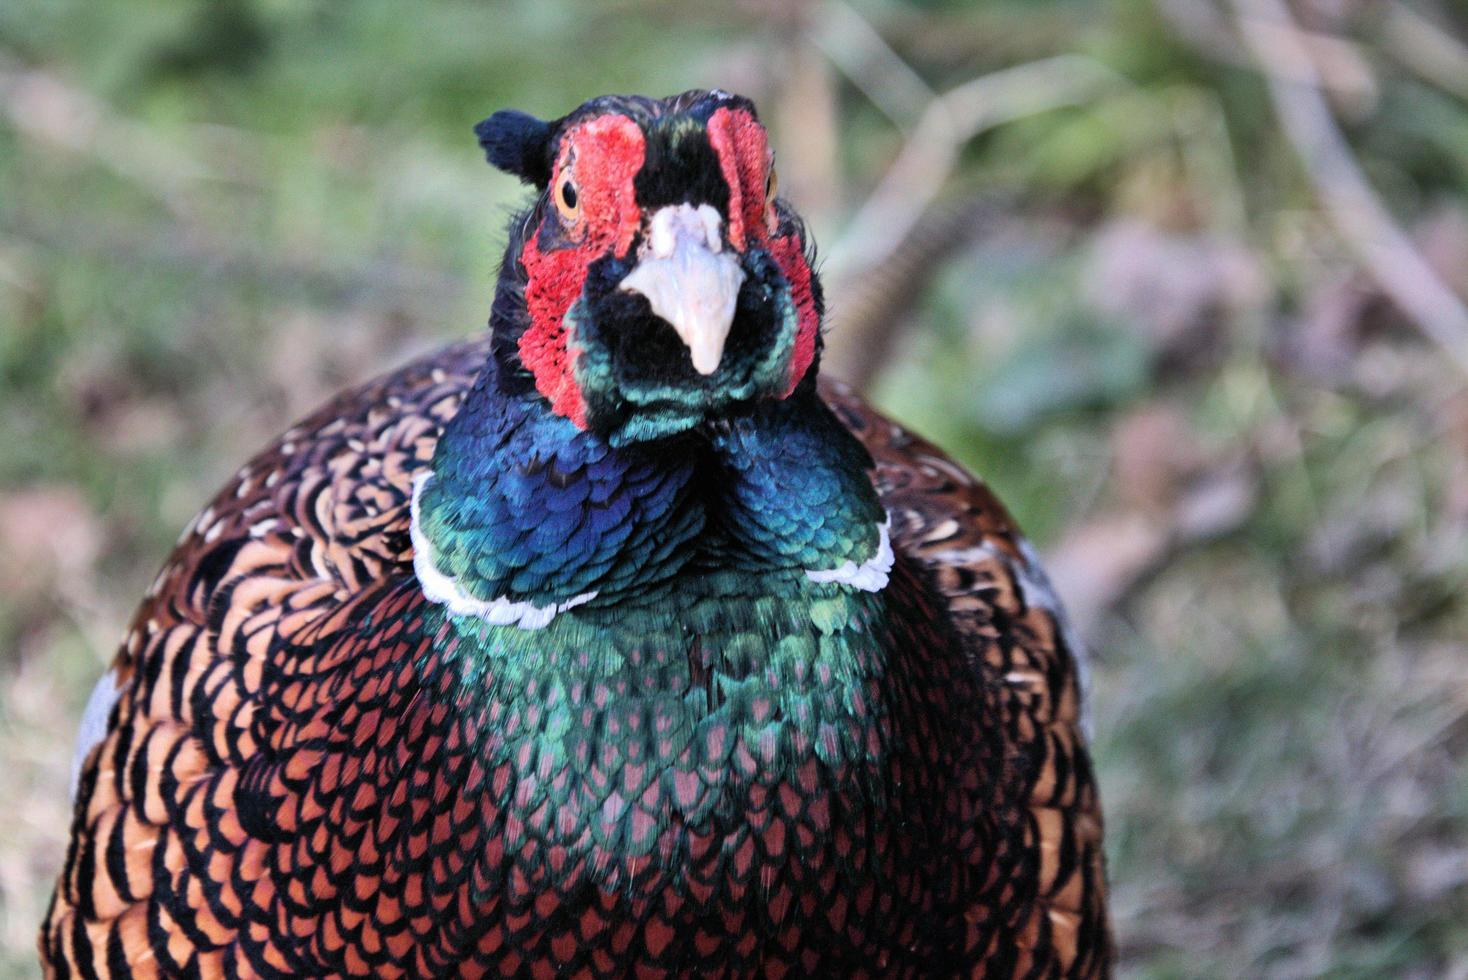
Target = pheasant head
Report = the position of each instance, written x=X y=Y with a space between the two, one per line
x=657 y=281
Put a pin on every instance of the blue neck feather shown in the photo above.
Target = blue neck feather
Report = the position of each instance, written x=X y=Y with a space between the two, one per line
x=523 y=505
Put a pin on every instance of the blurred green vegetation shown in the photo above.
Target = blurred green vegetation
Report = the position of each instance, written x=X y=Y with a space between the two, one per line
x=1248 y=470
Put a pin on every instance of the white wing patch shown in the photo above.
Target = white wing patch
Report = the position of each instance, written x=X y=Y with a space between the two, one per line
x=444 y=590
x=93 y=727
x=871 y=575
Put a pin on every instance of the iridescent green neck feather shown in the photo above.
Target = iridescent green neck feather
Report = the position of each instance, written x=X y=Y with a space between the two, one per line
x=525 y=510
x=724 y=586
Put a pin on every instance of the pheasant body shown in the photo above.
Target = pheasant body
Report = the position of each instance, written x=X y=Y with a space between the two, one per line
x=451 y=682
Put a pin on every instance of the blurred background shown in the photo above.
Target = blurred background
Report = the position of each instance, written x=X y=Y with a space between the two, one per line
x=1183 y=279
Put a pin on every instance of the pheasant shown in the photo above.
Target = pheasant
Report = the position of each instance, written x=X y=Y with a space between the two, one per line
x=610 y=643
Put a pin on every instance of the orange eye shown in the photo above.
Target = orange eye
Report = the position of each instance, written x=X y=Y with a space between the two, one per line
x=567 y=200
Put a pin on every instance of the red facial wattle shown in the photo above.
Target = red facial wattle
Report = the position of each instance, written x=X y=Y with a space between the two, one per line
x=744 y=156
x=608 y=152
x=603 y=155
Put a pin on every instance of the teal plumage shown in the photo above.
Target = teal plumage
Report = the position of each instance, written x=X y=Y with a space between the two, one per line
x=605 y=645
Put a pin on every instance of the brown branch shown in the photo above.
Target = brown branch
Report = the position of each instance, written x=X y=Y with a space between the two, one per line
x=867 y=309
x=1348 y=198
x=1342 y=66
x=918 y=175
x=1427 y=49
x=899 y=237
x=861 y=53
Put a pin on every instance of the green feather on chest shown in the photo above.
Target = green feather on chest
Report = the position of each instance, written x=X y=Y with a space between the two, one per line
x=675 y=705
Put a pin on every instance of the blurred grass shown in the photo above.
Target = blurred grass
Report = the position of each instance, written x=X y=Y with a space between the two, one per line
x=1250 y=472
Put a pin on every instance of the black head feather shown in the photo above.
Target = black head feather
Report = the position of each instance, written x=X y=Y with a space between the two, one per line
x=517 y=143
x=520 y=144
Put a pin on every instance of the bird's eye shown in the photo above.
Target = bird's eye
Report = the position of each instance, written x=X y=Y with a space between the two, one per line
x=567 y=201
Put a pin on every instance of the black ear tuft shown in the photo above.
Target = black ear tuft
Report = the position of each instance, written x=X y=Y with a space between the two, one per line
x=517 y=143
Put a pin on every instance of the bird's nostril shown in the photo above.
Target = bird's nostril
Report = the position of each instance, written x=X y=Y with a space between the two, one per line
x=712 y=227
x=700 y=225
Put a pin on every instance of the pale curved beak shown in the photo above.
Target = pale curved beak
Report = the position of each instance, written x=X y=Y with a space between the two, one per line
x=689 y=280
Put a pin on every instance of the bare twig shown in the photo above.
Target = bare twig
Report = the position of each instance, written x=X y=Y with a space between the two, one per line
x=865 y=57
x=951 y=120
x=898 y=237
x=1330 y=62
x=1352 y=206
x=1427 y=49
x=1343 y=68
